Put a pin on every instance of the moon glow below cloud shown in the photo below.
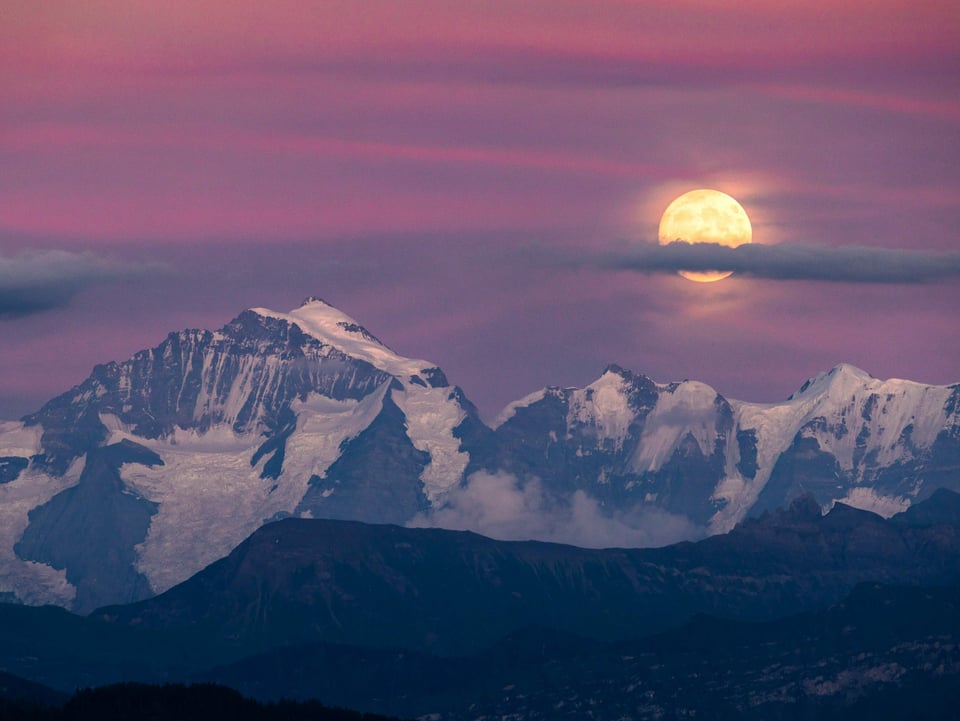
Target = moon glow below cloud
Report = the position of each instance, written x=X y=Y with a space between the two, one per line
x=705 y=216
x=790 y=261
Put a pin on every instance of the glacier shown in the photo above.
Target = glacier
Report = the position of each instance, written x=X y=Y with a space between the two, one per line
x=308 y=414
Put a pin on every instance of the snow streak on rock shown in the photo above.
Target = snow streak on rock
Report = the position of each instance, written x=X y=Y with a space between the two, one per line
x=308 y=412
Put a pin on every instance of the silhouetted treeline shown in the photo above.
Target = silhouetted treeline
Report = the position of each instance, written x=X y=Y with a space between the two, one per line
x=175 y=702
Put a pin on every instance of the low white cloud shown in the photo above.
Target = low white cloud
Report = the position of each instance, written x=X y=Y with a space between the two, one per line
x=501 y=506
x=39 y=280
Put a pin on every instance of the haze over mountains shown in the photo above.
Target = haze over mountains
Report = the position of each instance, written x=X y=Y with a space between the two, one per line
x=155 y=467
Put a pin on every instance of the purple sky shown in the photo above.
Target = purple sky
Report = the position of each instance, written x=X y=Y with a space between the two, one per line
x=432 y=167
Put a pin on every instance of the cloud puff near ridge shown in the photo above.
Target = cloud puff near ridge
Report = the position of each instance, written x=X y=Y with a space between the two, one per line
x=502 y=506
x=790 y=261
x=40 y=280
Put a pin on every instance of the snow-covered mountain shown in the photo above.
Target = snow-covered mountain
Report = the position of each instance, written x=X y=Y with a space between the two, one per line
x=152 y=468
x=844 y=436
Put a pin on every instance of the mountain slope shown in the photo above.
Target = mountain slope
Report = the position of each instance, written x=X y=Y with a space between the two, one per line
x=157 y=466
x=684 y=448
x=304 y=413
x=423 y=591
x=337 y=581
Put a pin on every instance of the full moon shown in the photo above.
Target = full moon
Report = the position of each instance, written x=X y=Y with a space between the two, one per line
x=705 y=216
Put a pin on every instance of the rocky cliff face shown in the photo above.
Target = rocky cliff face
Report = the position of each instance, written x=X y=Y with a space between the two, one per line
x=683 y=447
x=212 y=433
x=244 y=377
x=624 y=439
x=164 y=462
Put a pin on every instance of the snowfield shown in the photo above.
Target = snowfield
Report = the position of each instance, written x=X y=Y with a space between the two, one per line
x=247 y=449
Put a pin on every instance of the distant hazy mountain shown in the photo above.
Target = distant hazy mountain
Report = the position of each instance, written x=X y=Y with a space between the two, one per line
x=157 y=466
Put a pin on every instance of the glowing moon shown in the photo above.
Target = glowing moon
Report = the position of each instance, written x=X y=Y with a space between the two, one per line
x=705 y=216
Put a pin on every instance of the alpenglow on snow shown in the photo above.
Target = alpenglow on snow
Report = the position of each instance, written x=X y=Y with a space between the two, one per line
x=154 y=467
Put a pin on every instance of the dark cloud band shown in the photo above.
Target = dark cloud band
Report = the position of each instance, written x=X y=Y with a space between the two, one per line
x=791 y=261
x=36 y=281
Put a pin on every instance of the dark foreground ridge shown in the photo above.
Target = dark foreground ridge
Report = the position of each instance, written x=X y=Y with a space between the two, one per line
x=883 y=653
x=449 y=592
x=174 y=702
x=792 y=615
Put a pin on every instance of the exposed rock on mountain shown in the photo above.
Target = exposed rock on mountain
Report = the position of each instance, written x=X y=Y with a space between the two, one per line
x=161 y=464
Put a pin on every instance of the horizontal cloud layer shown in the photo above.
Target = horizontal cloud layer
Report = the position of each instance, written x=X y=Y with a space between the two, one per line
x=40 y=280
x=790 y=261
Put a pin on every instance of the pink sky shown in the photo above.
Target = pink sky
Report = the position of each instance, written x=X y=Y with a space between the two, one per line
x=420 y=165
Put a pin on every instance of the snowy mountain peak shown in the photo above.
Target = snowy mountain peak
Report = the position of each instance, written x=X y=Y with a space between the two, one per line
x=695 y=391
x=320 y=315
x=627 y=376
x=846 y=370
x=162 y=463
x=333 y=327
x=604 y=404
x=842 y=376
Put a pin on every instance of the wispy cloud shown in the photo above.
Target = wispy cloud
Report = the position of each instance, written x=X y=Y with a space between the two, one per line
x=789 y=261
x=502 y=506
x=40 y=280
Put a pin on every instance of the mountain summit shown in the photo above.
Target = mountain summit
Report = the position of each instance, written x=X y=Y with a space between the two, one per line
x=156 y=466
x=275 y=414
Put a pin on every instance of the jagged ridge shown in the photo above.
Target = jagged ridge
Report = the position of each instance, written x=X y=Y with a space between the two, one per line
x=308 y=413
